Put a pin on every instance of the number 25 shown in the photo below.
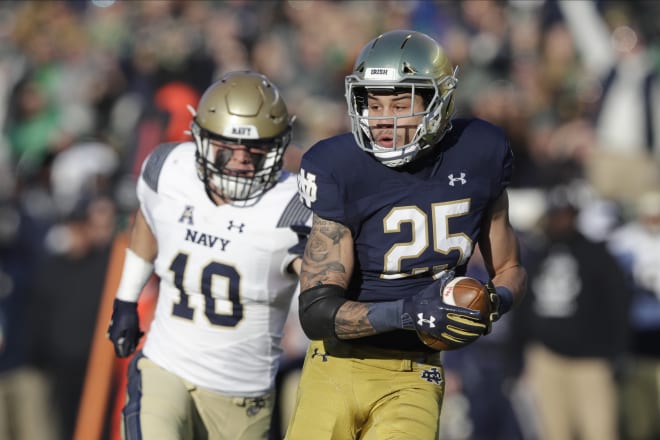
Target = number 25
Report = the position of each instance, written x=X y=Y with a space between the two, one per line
x=443 y=241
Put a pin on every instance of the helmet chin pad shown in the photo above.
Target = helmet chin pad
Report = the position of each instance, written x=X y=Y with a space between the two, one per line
x=392 y=157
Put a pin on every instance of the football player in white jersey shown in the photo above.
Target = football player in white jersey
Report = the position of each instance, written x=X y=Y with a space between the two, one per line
x=214 y=225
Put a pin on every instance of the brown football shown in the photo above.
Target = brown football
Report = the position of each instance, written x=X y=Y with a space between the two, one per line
x=464 y=292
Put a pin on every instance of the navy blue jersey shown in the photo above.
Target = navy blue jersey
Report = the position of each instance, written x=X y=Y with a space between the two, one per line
x=413 y=221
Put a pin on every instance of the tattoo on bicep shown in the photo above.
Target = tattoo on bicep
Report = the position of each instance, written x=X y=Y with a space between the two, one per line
x=351 y=321
x=317 y=250
x=322 y=259
x=333 y=231
x=326 y=275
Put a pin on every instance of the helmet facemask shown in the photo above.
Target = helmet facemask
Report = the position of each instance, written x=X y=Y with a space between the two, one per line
x=436 y=116
x=238 y=187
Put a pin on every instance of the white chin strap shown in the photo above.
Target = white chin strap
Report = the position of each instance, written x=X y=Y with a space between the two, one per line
x=394 y=157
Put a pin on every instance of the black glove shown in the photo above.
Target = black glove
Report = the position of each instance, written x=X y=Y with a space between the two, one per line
x=303 y=233
x=494 y=299
x=124 y=329
x=429 y=314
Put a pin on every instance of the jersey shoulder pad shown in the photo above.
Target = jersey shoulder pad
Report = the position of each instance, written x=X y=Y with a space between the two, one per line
x=332 y=151
x=327 y=169
x=486 y=146
x=154 y=164
x=475 y=128
x=295 y=213
x=284 y=204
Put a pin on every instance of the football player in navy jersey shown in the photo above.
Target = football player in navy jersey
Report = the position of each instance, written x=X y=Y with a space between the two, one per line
x=399 y=205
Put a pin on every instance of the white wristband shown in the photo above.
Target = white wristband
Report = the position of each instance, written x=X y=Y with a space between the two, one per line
x=135 y=274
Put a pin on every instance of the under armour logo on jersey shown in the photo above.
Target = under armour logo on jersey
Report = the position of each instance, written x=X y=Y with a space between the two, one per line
x=187 y=215
x=307 y=187
x=237 y=226
x=323 y=355
x=421 y=320
x=453 y=180
x=432 y=375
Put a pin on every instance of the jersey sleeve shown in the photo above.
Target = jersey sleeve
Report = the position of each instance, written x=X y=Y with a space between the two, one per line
x=499 y=159
x=506 y=167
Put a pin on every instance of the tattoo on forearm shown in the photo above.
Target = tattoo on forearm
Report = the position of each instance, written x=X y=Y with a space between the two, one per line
x=351 y=321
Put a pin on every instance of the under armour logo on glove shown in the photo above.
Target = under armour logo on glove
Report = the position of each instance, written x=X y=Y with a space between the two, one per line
x=421 y=321
x=449 y=323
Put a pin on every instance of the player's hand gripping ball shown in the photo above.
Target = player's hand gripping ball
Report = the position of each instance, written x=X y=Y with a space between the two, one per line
x=463 y=292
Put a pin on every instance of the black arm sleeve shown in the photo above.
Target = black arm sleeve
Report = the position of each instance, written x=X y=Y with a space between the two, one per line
x=317 y=309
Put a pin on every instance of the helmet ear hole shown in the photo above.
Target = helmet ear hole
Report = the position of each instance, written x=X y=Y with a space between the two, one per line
x=407 y=69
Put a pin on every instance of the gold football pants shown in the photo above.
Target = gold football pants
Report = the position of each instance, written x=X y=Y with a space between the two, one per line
x=349 y=392
x=161 y=405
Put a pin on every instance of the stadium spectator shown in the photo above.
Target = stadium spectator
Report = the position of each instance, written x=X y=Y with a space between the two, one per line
x=636 y=244
x=573 y=327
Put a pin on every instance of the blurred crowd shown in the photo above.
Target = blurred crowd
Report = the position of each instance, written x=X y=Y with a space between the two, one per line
x=89 y=87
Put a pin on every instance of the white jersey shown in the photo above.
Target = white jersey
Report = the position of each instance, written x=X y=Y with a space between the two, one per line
x=224 y=292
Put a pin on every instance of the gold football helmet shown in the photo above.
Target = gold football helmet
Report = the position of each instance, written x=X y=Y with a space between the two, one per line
x=241 y=108
x=402 y=61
